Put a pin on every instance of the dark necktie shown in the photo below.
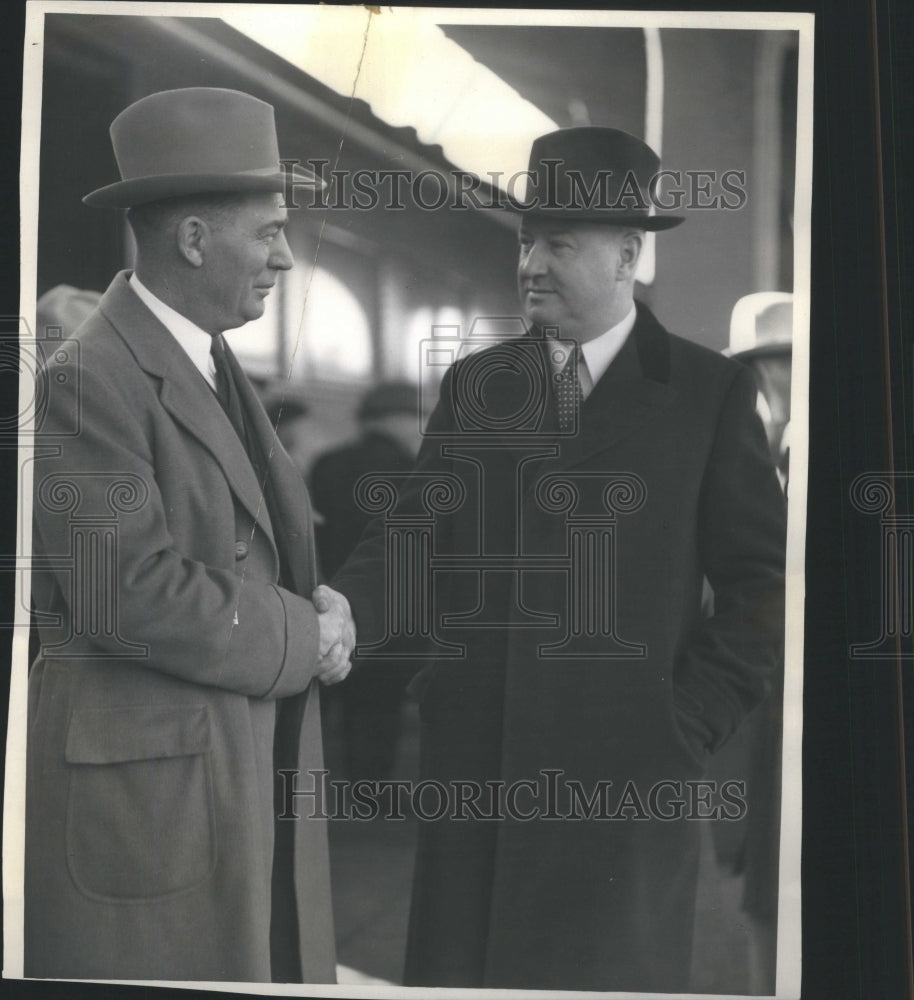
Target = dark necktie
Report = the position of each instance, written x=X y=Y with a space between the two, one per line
x=568 y=394
x=226 y=392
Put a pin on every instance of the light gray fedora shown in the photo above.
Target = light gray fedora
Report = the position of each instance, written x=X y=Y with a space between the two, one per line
x=198 y=140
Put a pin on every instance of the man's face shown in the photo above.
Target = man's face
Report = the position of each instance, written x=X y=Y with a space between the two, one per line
x=246 y=249
x=568 y=276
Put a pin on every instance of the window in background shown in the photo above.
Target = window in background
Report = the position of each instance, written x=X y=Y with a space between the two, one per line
x=336 y=342
x=775 y=158
x=329 y=312
x=418 y=329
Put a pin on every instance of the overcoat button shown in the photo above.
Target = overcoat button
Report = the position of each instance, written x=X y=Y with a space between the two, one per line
x=241 y=550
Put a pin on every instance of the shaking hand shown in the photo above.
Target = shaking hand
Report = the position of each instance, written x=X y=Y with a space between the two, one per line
x=337 y=635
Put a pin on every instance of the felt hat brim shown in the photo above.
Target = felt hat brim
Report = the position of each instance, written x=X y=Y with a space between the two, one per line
x=780 y=346
x=142 y=190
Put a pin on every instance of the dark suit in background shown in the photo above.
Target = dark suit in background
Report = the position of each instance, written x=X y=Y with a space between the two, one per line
x=368 y=707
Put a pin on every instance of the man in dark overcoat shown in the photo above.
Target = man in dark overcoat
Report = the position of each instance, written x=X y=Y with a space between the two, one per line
x=180 y=648
x=594 y=472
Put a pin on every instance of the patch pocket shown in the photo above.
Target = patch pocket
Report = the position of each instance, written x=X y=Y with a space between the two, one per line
x=140 y=810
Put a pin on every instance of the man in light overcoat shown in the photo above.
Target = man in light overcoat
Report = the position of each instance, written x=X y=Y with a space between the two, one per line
x=181 y=653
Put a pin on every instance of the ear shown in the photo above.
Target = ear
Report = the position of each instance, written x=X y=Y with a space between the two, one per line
x=630 y=252
x=191 y=237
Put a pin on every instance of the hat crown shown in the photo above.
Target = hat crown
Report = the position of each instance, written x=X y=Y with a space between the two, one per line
x=197 y=130
x=761 y=320
x=594 y=173
x=591 y=148
x=197 y=140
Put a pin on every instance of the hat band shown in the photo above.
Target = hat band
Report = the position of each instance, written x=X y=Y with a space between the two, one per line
x=137 y=190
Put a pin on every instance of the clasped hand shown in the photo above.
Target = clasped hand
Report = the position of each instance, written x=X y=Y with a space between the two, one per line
x=337 y=635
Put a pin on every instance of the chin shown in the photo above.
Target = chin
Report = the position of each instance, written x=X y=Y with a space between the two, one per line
x=254 y=311
x=541 y=317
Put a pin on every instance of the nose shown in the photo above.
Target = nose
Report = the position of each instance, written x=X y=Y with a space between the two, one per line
x=532 y=260
x=281 y=258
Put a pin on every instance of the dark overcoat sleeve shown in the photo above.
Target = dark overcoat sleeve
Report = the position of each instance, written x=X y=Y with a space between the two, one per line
x=363 y=577
x=728 y=664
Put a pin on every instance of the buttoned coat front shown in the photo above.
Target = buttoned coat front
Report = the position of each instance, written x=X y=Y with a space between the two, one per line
x=172 y=665
x=573 y=663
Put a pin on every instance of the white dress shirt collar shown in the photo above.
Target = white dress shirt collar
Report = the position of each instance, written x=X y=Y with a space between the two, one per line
x=196 y=342
x=600 y=352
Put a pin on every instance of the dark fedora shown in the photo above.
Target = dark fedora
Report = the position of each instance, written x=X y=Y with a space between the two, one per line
x=593 y=174
x=199 y=140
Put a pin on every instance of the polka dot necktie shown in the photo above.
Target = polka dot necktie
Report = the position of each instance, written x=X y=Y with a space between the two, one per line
x=570 y=390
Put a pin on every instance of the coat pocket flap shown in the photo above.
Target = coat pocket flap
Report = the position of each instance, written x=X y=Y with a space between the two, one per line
x=115 y=735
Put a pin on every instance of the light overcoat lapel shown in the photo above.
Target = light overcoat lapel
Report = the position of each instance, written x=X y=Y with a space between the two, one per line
x=184 y=393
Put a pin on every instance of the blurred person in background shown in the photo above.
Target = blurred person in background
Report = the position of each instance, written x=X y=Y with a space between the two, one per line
x=761 y=338
x=64 y=308
x=301 y=429
x=365 y=712
x=59 y=313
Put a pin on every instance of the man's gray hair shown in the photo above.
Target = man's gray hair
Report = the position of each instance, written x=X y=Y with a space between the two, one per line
x=157 y=217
